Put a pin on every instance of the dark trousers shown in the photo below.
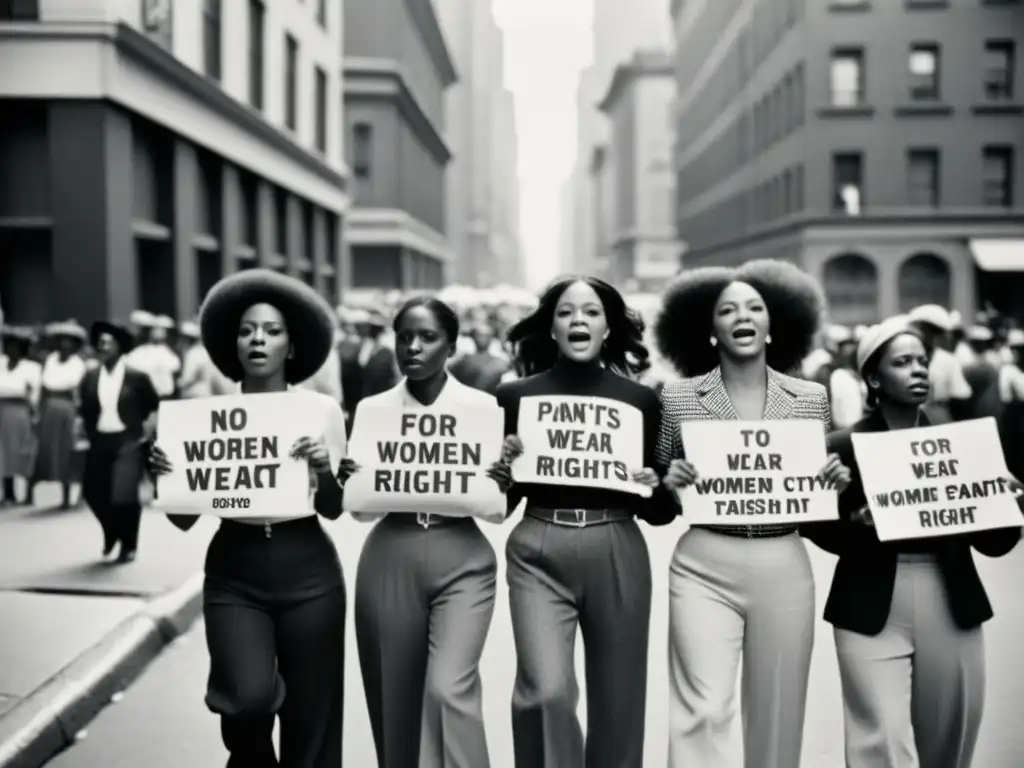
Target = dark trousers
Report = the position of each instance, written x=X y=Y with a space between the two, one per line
x=424 y=601
x=110 y=486
x=274 y=609
x=598 y=577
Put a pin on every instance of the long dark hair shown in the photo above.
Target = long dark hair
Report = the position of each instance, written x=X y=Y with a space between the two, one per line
x=624 y=351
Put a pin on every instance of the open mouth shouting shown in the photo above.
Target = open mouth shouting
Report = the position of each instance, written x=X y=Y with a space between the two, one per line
x=579 y=340
x=744 y=336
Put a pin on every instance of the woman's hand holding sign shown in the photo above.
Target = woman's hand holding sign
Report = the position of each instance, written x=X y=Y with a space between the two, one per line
x=835 y=474
x=158 y=462
x=863 y=516
x=501 y=470
x=647 y=477
x=314 y=452
x=346 y=468
x=681 y=474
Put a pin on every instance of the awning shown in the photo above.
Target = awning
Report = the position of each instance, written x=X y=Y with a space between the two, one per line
x=1002 y=255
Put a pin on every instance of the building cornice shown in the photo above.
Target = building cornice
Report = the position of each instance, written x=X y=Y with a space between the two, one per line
x=369 y=79
x=395 y=227
x=423 y=14
x=625 y=75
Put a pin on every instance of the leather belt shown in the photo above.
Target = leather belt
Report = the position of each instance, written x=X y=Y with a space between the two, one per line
x=749 y=531
x=579 y=518
x=424 y=520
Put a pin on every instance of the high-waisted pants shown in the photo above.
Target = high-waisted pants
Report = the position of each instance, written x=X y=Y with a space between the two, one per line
x=110 y=486
x=913 y=694
x=274 y=607
x=597 y=577
x=424 y=600
x=733 y=599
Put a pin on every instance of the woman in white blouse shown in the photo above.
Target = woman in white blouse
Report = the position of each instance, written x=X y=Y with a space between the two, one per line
x=63 y=372
x=19 y=397
x=274 y=598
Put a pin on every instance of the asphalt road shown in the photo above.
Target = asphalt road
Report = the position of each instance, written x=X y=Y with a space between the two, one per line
x=161 y=721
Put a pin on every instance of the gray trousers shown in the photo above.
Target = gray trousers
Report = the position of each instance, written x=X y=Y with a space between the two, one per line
x=733 y=600
x=598 y=577
x=423 y=606
x=913 y=694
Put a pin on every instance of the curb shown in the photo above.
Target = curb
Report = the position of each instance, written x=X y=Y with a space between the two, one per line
x=47 y=721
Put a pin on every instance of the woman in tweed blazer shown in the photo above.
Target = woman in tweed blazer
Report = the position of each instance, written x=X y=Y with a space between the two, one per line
x=739 y=592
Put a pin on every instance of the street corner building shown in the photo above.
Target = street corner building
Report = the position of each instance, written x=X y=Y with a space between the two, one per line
x=878 y=145
x=151 y=147
x=397 y=68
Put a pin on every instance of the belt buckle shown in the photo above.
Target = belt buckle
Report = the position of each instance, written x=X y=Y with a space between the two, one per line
x=423 y=519
x=581 y=518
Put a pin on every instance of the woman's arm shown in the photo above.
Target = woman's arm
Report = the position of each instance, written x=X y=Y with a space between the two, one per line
x=329 y=496
x=508 y=399
x=662 y=507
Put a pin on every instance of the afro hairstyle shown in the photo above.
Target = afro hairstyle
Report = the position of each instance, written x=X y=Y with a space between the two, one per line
x=796 y=310
x=309 y=319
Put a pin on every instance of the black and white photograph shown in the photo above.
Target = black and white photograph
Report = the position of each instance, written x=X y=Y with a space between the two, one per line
x=511 y=383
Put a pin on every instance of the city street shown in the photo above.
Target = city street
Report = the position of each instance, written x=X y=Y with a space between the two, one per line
x=161 y=720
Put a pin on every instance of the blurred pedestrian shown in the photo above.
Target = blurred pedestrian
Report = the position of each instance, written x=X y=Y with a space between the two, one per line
x=19 y=399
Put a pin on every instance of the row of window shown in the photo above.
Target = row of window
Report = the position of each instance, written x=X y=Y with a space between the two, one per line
x=851 y=283
x=848 y=83
x=924 y=185
x=213 y=56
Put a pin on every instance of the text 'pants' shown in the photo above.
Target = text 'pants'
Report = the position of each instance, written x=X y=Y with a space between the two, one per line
x=913 y=694
x=275 y=628
x=734 y=599
x=424 y=602
x=598 y=577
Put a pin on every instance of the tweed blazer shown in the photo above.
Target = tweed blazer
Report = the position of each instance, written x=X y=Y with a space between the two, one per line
x=704 y=398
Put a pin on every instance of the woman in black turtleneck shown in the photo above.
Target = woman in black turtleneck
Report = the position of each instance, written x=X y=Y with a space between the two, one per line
x=578 y=557
x=907 y=614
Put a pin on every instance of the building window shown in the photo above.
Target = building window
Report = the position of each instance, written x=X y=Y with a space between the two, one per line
x=321 y=110
x=321 y=13
x=847 y=183
x=257 y=20
x=211 y=38
x=847 y=77
x=291 y=73
x=924 y=72
x=19 y=10
x=362 y=150
x=923 y=177
x=1000 y=58
x=924 y=278
x=850 y=282
x=997 y=177
x=280 y=221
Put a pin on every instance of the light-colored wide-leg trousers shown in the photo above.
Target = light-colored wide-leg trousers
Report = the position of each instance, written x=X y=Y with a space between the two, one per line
x=734 y=599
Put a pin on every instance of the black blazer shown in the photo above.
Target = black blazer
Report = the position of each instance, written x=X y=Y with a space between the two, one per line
x=380 y=372
x=137 y=402
x=865 y=576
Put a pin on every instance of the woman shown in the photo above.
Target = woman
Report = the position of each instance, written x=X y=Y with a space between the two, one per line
x=739 y=592
x=426 y=584
x=908 y=614
x=19 y=397
x=63 y=372
x=274 y=596
x=577 y=556
x=115 y=402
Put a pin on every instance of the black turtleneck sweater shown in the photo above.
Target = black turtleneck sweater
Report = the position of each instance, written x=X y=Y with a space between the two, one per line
x=590 y=380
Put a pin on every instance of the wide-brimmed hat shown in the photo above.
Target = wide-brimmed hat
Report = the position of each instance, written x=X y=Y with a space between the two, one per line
x=18 y=335
x=933 y=315
x=189 y=329
x=68 y=329
x=308 y=317
x=122 y=334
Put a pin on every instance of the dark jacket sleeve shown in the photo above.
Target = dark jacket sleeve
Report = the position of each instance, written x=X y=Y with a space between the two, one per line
x=508 y=399
x=662 y=507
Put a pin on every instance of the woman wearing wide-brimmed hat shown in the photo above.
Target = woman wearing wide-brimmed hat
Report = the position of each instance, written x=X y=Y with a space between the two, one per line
x=115 y=402
x=63 y=371
x=19 y=397
x=274 y=598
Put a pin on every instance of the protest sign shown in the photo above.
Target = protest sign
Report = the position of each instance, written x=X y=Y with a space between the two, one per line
x=756 y=473
x=580 y=441
x=432 y=461
x=936 y=481
x=230 y=455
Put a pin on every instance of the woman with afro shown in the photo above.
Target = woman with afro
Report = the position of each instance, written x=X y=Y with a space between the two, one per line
x=739 y=592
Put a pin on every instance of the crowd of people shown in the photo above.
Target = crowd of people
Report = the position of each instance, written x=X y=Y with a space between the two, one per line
x=746 y=343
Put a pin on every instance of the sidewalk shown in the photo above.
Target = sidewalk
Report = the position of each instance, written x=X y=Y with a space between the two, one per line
x=76 y=630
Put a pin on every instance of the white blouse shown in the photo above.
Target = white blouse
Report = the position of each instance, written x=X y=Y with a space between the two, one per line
x=329 y=423
x=399 y=397
x=63 y=376
x=108 y=391
x=20 y=382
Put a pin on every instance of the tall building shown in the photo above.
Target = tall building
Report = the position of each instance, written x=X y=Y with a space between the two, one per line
x=148 y=148
x=877 y=145
x=482 y=183
x=618 y=29
x=396 y=71
x=634 y=177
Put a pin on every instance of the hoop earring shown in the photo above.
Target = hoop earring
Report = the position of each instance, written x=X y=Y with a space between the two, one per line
x=714 y=341
x=768 y=339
